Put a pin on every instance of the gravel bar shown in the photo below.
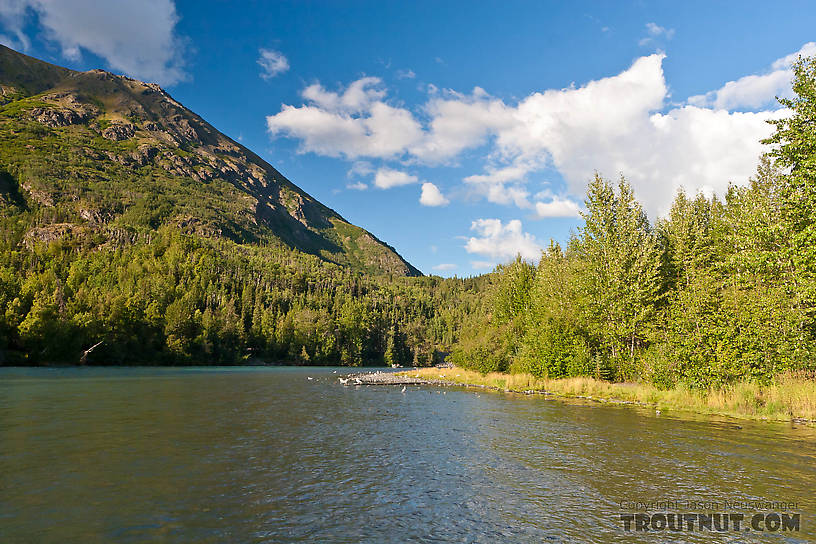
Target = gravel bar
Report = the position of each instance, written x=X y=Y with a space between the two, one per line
x=382 y=378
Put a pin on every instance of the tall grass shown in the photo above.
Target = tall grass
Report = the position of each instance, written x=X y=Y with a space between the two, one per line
x=789 y=397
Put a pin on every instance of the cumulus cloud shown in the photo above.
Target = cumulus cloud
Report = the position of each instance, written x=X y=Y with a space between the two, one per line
x=615 y=125
x=432 y=196
x=136 y=38
x=460 y=122
x=750 y=91
x=405 y=74
x=755 y=90
x=557 y=207
x=807 y=50
x=357 y=186
x=356 y=122
x=445 y=266
x=357 y=97
x=620 y=124
x=272 y=63
x=386 y=178
x=502 y=242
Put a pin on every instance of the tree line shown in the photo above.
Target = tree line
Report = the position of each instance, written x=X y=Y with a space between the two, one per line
x=174 y=298
x=720 y=289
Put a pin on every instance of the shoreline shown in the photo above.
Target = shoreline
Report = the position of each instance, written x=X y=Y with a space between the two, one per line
x=788 y=400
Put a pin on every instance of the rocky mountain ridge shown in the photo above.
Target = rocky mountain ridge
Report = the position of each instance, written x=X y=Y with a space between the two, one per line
x=98 y=152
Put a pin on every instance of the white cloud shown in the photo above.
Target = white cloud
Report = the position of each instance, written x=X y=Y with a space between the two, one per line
x=502 y=242
x=614 y=125
x=500 y=193
x=432 y=196
x=755 y=91
x=272 y=62
x=656 y=32
x=514 y=172
x=445 y=266
x=807 y=50
x=460 y=122
x=136 y=38
x=623 y=123
x=482 y=265
x=354 y=123
x=386 y=178
x=360 y=168
x=358 y=97
x=502 y=185
x=750 y=91
x=405 y=74
x=358 y=186
x=13 y=42
x=557 y=207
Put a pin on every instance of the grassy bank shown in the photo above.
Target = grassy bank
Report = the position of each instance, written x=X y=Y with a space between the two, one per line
x=788 y=398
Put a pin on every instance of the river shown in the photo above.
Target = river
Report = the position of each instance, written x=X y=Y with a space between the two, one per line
x=265 y=454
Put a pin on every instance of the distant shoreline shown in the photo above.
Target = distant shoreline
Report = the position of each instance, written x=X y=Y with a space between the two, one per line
x=21 y=364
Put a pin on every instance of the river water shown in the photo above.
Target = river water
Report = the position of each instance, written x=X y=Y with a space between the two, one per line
x=269 y=455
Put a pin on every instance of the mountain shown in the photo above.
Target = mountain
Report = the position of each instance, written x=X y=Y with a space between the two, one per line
x=99 y=157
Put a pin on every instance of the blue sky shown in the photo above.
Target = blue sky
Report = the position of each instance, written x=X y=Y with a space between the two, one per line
x=460 y=133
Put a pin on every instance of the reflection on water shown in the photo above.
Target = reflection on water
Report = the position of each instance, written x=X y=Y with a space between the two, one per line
x=266 y=455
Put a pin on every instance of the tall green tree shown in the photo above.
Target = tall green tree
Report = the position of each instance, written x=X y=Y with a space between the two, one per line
x=794 y=151
x=619 y=261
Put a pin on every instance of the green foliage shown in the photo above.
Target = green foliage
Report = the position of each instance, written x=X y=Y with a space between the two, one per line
x=709 y=297
x=485 y=348
x=554 y=350
x=511 y=296
x=490 y=338
x=794 y=151
x=554 y=346
x=735 y=309
x=618 y=256
x=168 y=297
x=717 y=292
x=164 y=166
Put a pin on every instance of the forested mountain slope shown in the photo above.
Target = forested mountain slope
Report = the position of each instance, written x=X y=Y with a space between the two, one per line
x=126 y=219
x=92 y=153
